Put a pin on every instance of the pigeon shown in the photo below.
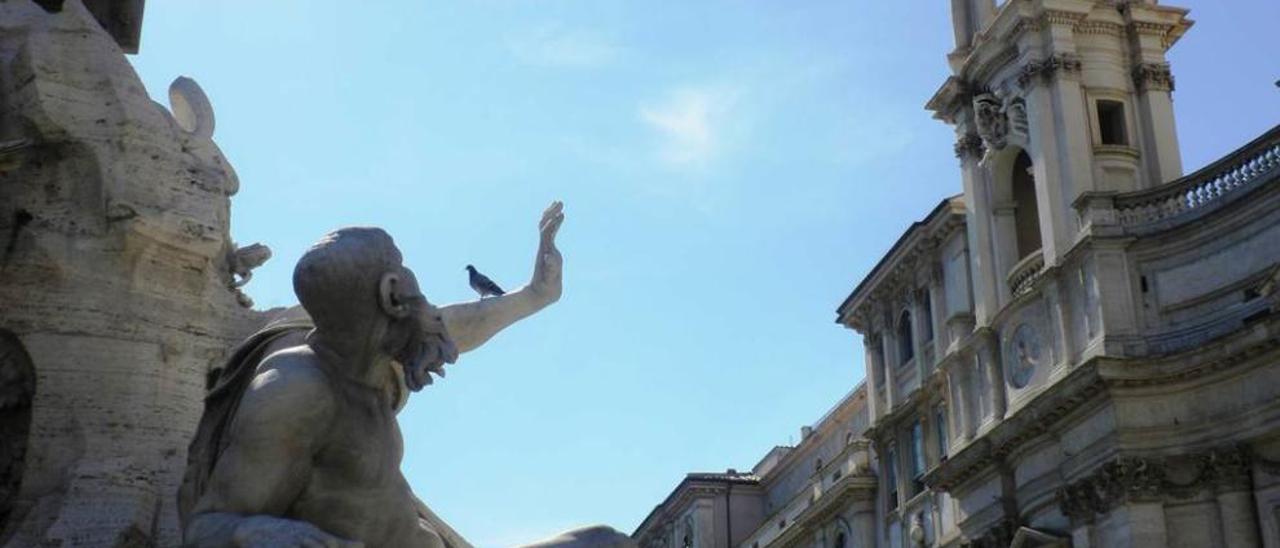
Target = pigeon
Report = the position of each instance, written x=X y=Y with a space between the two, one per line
x=482 y=284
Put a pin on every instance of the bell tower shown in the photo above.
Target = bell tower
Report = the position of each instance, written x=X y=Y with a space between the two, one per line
x=1054 y=101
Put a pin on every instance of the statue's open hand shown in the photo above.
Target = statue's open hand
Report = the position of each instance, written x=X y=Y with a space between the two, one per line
x=272 y=532
x=548 y=268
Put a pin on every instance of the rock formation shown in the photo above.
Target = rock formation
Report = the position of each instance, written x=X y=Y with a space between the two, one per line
x=116 y=282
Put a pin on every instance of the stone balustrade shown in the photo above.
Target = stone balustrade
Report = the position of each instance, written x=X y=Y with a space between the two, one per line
x=1024 y=274
x=1206 y=188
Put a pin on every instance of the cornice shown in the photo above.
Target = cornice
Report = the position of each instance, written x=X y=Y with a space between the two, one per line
x=691 y=488
x=1086 y=382
x=1180 y=367
x=1105 y=28
x=895 y=272
x=1045 y=70
x=1165 y=22
x=848 y=489
x=1028 y=422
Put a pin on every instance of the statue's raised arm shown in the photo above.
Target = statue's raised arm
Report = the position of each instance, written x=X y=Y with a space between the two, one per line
x=471 y=324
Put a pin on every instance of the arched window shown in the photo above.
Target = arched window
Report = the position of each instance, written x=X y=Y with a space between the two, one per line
x=1026 y=215
x=840 y=542
x=906 y=346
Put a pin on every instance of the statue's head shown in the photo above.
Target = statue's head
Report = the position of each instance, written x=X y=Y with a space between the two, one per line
x=353 y=284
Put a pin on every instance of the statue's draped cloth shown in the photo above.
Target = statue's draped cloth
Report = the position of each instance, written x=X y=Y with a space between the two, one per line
x=220 y=408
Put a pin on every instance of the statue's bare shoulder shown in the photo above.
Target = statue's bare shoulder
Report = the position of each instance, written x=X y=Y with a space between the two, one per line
x=290 y=394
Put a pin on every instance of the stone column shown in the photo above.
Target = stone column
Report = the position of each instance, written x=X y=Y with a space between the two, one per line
x=1156 y=123
x=989 y=353
x=864 y=525
x=938 y=301
x=1005 y=237
x=1061 y=150
x=958 y=404
x=1147 y=525
x=918 y=319
x=1239 y=519
x=1153 y=83
x=1231 y=470
x=1059 y=310
x=932 y=445
x=977 y=204
x=873 y=355
x=889 y=345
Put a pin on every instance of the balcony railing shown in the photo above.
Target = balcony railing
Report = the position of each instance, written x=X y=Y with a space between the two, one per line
x=1203 y=189
x=1024 y=274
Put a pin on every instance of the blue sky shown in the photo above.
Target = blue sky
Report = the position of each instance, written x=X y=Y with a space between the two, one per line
x=730 y=169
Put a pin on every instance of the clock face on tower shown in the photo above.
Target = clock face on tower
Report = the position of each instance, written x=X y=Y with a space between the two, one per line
x=1025 y=349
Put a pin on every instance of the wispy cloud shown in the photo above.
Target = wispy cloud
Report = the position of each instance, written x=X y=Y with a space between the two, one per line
x=557 y=46
x=690 y=123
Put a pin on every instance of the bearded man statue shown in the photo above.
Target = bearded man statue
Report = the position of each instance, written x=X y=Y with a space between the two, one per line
x=299 y=443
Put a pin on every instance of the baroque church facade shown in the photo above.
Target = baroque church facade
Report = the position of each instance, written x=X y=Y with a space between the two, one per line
x=1082 y=348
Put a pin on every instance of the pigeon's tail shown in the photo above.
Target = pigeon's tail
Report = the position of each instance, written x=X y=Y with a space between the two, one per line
x=497 y=291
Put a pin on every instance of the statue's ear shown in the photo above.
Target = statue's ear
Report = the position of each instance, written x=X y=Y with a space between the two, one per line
x=389 y=297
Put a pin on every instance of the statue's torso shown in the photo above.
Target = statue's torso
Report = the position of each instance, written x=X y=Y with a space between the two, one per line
x=356 y=490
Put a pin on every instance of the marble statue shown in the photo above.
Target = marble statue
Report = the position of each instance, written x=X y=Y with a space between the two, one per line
x=299 y=444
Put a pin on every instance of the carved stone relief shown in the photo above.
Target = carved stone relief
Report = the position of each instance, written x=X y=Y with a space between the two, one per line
x=241 y=262
x=996 y=118
x=1146 y=479
x=1153 y=76
x=992 y=124
x=1026 y=353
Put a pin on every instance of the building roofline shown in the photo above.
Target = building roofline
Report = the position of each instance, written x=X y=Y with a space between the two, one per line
x=788 y=460
x=724 y=478
x=888 y=257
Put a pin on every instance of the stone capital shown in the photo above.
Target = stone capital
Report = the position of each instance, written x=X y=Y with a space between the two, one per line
x=969 y=147
x=1153 y=77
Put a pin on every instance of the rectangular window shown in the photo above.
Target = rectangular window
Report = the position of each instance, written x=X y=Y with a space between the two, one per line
x=940 y=420
x=917 y=458
x=1111 y=126
x=891 y=476
x=878 y=358
x=926 y=305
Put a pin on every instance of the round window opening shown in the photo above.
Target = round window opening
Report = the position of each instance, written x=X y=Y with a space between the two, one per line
x=1025 y=350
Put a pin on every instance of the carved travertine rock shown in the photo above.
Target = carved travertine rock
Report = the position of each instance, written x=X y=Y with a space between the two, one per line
x=114 y=226
x=597 y=536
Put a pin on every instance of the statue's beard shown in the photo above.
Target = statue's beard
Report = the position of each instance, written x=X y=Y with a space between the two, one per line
x=428 y=349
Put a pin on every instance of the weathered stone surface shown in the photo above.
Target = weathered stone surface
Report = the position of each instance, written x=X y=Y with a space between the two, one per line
x=596 y=536
x=114 y=274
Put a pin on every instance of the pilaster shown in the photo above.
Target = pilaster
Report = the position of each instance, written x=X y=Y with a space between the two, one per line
x=989 y=355
x=1060 y=146
x=872 y=358
x=938 y=300
x=978 y=208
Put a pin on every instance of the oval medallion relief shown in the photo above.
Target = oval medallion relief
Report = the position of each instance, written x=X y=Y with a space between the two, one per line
x=1025 y=350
